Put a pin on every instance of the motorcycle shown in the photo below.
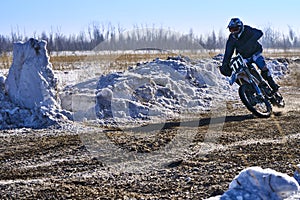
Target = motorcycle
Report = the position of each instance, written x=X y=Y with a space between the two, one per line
x=254 y=91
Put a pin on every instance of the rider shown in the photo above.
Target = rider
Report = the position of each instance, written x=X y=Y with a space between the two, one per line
x=244 y=39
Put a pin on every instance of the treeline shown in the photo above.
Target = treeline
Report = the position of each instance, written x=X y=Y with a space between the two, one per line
x=109 y=37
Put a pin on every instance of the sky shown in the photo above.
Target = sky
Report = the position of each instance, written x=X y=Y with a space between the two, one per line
x=202 y=16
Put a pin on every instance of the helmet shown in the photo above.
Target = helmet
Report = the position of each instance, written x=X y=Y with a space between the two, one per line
x=235 y=26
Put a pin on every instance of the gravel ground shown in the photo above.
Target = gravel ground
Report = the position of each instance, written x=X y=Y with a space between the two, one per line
x=194 y=159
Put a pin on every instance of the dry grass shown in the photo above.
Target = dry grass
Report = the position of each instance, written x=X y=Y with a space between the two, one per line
x=5 y=61
x=113 y=60
x=116 y=61
x=282 y=54
x=121 y=60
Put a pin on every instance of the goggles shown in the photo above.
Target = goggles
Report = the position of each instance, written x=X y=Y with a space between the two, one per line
x=234 y=29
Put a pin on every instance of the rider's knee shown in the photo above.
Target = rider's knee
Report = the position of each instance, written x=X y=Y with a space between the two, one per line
x=261 y=64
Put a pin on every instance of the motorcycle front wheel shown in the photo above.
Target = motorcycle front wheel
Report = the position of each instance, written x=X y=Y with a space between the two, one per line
x=258 y=105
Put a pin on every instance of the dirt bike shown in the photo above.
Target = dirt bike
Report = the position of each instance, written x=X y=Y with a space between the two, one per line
x=255 y=93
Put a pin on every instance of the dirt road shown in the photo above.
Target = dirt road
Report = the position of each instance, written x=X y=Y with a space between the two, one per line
x=60 y=164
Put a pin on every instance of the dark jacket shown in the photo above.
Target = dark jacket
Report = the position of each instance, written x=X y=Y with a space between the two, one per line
x=246 y=45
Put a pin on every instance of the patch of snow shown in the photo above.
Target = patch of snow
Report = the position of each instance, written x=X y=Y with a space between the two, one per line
x=278 y=69
x=264 y=184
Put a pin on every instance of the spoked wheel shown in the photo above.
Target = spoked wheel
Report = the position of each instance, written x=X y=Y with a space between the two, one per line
x=258 y=105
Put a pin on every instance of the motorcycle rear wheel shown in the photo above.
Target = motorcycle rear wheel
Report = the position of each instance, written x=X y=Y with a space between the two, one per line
x=259 y=106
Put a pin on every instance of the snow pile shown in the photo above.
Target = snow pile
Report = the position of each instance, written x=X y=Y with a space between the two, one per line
x=161 y=89
x=278 y=67
x=30 y=81
x=28 y=95
x=167 y=88
x=258 y=183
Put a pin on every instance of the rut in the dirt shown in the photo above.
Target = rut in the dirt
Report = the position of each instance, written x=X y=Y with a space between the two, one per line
x=57 y=164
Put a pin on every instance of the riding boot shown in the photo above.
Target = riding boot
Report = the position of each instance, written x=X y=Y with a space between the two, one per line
x=267 y=76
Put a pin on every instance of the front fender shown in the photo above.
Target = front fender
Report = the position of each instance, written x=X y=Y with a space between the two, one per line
x=241 y=76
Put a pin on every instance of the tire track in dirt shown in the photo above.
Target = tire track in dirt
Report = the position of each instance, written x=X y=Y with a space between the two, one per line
x=43 y=164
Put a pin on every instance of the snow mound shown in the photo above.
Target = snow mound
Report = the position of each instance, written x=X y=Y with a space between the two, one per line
x=28 y=94
x=166 y=89
x=30 y=81
x=257 y=183
x=161 y=89
x=278 y=67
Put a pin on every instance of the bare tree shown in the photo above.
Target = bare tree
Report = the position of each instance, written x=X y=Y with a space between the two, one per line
x=109 y=37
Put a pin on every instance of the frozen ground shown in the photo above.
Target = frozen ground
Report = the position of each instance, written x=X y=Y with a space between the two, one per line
x=199 y=142
x=81 y=162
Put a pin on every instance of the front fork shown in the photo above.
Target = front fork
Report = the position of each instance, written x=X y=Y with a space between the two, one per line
x=257 y=89
x=262 y=84
x=253 y=83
